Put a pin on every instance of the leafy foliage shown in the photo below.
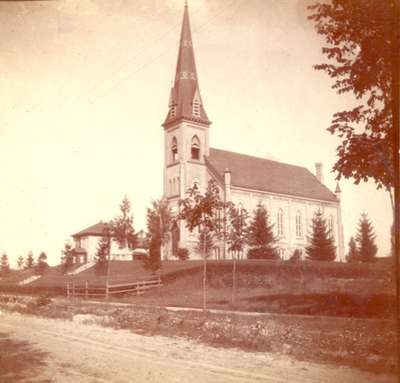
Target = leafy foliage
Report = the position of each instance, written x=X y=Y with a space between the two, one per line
x=121 y=227
x=366 y=240
x=321 y=246
x=353 y=254
x=4 y=265
x=260 y=238
x=237 y=229
x=296 y=256
x=205 y=244
x=182 y=253
x=361 y=41
x=205 y=212
x=158 y=228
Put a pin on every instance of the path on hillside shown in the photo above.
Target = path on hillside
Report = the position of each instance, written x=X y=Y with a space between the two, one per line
x=63 y=351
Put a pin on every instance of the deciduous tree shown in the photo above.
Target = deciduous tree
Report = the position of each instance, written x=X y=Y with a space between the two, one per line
x=158 y=228
x=362 y=49
x=237 y=229
x=67 y=259
x=41 y=264
x=102 y=256
x=352 y=255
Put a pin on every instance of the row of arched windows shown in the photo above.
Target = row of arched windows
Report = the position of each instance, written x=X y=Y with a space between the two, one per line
x=299 y=225
x=173 y=186
x=194 y=149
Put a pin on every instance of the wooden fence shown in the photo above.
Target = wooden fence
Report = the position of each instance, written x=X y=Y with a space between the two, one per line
x=135 y=288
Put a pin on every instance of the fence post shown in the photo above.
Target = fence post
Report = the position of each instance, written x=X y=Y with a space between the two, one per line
x=73 y=289
x=234 y=281
x=67 y=289
x=106 y=289
x=86 y=290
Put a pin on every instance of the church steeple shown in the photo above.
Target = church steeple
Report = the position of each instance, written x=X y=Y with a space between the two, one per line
x=185 y=100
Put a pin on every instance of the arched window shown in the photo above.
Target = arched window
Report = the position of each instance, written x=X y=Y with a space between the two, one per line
x=299 y=228
x=195 y=148
x=330 y=226
x=174 y=149
x=280 y=223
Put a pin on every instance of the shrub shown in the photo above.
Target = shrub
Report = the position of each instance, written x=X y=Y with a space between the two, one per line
x=262 y=253
x=182 y=253
x=296 y=256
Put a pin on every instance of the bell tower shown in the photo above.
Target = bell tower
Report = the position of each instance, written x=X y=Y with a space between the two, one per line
x=186 y=130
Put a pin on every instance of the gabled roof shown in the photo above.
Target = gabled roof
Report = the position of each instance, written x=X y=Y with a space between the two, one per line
x=186 y=87
x=266 y=175
x=96 y=229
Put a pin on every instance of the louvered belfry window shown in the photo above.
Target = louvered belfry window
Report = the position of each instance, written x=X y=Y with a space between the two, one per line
x=195 y=149
x=196 y=108
x=174 y=150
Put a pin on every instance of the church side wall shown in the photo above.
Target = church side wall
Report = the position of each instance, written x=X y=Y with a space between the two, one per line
x=290 y=208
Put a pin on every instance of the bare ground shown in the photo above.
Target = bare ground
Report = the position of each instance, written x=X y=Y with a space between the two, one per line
x=43 y=350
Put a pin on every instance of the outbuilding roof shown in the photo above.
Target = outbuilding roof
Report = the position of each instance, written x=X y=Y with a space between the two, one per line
x=96 y=229
x=265 y=175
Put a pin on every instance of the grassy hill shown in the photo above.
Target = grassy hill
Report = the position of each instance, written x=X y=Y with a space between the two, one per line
x=264 y=286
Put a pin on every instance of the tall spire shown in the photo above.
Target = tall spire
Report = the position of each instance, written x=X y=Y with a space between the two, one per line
x=185 y=100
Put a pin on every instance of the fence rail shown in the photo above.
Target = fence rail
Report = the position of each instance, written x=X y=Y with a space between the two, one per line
x=135 y=288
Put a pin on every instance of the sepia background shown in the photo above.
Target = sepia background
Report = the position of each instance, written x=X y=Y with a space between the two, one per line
x=84 y=88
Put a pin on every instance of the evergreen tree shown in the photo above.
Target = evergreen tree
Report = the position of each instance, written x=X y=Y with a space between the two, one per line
x=366 y=240
x=29 y=262
x=103 y=252
x=41 y=264
x=260 y=238
x=122 y=226
x=67 y=259
x=321 y=247
x=4 y=265
x=352 y=255
x=20 y=262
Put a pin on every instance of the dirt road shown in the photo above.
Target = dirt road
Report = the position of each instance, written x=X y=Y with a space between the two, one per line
x=36 y=349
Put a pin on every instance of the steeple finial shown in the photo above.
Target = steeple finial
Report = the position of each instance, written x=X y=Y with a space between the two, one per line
x=185 y=99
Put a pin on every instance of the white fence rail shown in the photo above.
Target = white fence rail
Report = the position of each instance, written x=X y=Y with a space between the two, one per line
x=134 y=288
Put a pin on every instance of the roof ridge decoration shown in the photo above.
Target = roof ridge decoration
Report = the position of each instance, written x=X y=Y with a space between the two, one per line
x=186 y=86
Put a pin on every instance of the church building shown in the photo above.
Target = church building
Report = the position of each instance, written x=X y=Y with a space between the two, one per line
x=291 y=194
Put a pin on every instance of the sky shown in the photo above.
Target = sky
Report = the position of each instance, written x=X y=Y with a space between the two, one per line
x=84 y=88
